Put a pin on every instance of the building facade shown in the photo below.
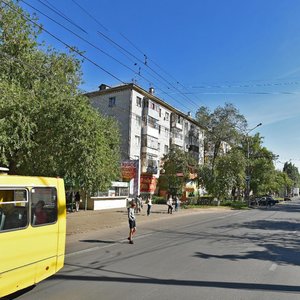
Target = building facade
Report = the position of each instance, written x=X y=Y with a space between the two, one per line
x=149 y=127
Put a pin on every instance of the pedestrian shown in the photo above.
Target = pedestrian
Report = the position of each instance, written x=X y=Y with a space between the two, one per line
x=141 y=200
x=177 y=203
x=170 y=204
x=149 y=203
x=77 y=201
x=132 y=222
x=138 y=204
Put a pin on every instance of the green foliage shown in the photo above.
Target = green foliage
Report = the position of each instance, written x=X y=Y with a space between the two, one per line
x=47 y=127
x=281 y=183
x=230 y=173
x=177 y=167
x=292 y=172
x=158 y=200
x=222 y=125
x=260 y=165
x=235 y=204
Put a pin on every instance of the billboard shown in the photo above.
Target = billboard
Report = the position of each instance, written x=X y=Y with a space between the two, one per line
x=148 y=183
x=129 y=169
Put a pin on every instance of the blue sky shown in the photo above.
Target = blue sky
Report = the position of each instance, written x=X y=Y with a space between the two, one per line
x=197 y=53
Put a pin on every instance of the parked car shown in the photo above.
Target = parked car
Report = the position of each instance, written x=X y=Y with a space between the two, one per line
x=267 y=201
x=287 y=198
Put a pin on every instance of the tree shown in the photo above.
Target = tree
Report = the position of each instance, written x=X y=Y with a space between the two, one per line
x=177 y=166
x=229 y=175
x=223 y=125
x=282 y=183
x=292 y=173
x=47 y=127
x=260 y=166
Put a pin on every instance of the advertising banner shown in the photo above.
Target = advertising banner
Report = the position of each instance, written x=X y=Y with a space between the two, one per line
x=148 y=183
x=129 y=169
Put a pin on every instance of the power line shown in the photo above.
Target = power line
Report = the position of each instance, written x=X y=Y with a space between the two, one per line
x=91 y=16
x=145 y=62
x=97 y=48
x=61 y=41
x=57 y=11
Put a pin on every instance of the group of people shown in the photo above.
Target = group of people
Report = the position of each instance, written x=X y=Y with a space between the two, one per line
x=173 y=202
x=136 y=206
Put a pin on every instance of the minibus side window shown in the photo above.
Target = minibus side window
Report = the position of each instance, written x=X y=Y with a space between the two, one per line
x=13 y=209
x=43 y=206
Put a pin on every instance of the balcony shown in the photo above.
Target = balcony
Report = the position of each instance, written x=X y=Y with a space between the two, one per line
x=150 y=130
x=177 y=125
x=177 y=141
x=148 y=150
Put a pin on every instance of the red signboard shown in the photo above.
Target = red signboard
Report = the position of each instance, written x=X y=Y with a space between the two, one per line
x=148 y=183
x=129 y=169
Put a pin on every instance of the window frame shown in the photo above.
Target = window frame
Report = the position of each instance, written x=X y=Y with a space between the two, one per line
x=112 y=101
x=15 y=212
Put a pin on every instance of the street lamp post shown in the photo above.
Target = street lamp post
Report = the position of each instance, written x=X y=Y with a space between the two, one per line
x=248 y=159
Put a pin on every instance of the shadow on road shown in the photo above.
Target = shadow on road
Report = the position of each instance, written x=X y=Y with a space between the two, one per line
x=191 y=283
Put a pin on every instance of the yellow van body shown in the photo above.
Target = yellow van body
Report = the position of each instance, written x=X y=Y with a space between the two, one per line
x=30 y=251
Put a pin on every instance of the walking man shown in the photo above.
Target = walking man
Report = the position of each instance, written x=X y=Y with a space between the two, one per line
x=132 y=223
x=170 y=204
x=149 y=203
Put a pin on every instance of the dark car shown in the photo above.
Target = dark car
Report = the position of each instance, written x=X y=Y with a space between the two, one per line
x=287 y=198
x=267 y=201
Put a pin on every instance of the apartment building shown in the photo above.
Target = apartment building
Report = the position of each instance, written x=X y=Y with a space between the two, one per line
x=149 y=127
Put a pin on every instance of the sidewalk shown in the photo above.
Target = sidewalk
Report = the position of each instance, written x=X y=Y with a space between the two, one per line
x=91 y=220
x=87 y=229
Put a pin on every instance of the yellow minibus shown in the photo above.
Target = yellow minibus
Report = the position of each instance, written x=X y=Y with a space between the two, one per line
x=32 y=230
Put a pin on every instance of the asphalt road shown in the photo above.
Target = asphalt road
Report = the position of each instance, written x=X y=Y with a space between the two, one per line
x=230 y=255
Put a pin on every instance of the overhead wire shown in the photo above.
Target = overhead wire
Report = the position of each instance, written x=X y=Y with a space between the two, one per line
x=57 y=11
x=64 y=43
x=97 y=48
x=145 y=56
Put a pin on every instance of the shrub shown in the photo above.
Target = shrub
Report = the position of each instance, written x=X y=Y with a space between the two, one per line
x=158 y=200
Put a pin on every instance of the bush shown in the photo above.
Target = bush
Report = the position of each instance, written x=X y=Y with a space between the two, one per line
x=207 y=200
x=158 y=200
x=234 y=204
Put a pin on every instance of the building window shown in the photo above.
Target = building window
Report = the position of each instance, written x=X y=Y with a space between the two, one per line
x=166 y=132
x=138 y=101
x=138 y=120
x=167 y=116
x=166 y=149
x=152 y=122
x=137 y=141
x=179 y=119
x=152 y=105
x=158 y=146
x=186 y=126
x=159 y=111
x=112 y=102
